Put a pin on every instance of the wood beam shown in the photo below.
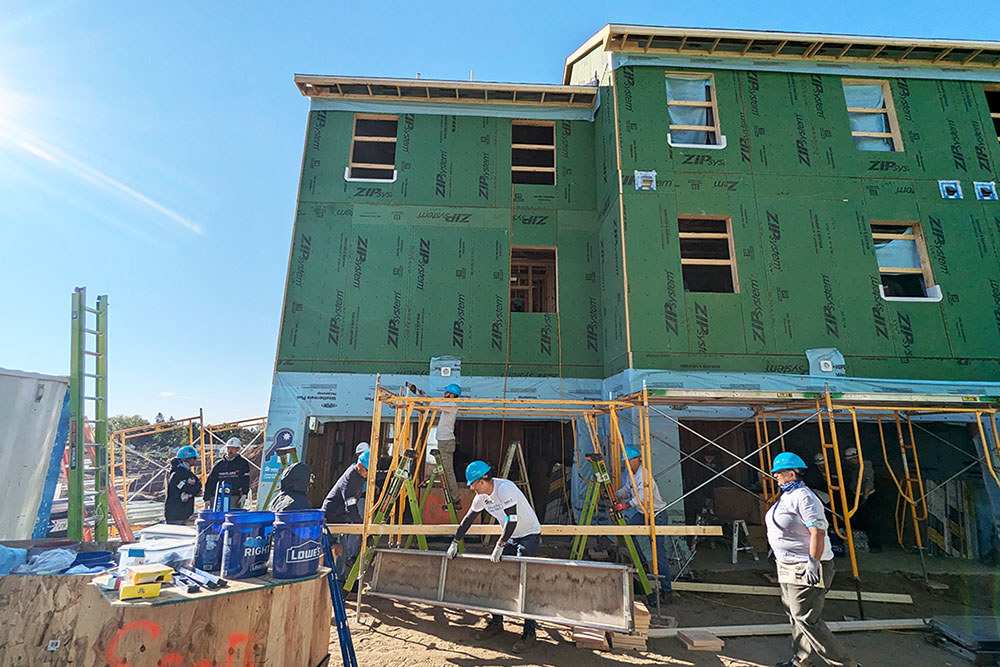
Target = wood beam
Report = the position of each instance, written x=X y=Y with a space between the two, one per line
x=739 y=589
x=494 y=529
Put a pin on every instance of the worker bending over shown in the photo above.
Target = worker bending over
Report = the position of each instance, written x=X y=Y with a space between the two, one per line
x=295 y=481
x=344 y=505
x=446 y=443
x=634 y=500
x=233 y=469
x=520 y=535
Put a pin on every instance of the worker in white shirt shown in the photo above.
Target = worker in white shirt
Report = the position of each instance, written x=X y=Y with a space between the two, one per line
x=634 y=500
x=446 y=443
x=520 y=537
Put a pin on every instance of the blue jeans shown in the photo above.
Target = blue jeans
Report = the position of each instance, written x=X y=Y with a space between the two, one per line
x=636 y=518
x=351 y=545
x=521 y=546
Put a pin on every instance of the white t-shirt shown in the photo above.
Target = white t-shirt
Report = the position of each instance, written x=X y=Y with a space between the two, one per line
x=637 y=497
x=446 y=424
x=788 y=523
x=506 y=494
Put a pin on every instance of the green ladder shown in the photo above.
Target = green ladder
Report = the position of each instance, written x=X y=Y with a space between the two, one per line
x=401 y=479
x=287 y=456
x=602 y=480
x=449 y=502
x=78 y=398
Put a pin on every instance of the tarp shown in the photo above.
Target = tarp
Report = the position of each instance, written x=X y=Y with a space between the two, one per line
x=34 y=420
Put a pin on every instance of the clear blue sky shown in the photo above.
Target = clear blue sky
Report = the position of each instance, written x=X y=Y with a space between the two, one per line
x=151 y=151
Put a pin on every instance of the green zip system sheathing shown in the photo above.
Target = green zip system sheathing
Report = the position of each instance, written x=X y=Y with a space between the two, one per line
x=384 y=276
x=801 y=199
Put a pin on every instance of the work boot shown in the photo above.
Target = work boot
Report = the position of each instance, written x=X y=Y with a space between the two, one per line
x=491 y=630
x=526 y=641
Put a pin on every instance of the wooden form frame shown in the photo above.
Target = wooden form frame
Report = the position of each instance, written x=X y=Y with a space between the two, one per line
x=994 y=112
x=917 y=237
x=367 y=138
x=727 y=235
x=889 y=111
x=786 y=46
x=550 y=291
x=550 y=148
x=715 y=128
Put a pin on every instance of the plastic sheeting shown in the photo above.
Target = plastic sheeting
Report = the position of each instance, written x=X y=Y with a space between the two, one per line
x=456 y=108
x=869 y=97
x=34 y=416
x=295 y=397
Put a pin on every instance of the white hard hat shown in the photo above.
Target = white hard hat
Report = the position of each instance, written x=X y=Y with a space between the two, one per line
x=818 y=460
x=362 y=447
x=851 y=453
x=234 y=442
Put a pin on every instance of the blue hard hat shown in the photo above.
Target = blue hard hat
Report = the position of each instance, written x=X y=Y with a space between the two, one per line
x=787 y=461
x=475 y=470
x=453 y=389
x=631 y=453
x=187 y=452
x=364 y=457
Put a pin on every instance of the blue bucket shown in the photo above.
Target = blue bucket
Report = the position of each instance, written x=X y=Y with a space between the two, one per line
x=208 y=550
x=246 y=544
x=297 y=543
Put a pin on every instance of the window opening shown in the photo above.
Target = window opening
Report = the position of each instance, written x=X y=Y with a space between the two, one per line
x=373 y=148
x=708 y=261
x=694 y=115
x=872 y=115
x=993 y=101
x=532 y=280
x=533 y=152
x=903 y=264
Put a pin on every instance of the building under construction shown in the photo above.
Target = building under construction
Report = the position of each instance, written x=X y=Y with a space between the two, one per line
x=758 y=229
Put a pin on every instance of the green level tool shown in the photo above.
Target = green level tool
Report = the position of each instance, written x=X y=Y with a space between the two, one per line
x=449 y=502
x=287 y=456
x=602 y=480
x=401 y=479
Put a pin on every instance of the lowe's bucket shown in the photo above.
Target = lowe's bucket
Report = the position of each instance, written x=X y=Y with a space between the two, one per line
x=208 y=548
x=298 y=545
x=246 y=544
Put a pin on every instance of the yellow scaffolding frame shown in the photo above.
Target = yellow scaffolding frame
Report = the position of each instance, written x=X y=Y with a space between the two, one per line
x=827 y=407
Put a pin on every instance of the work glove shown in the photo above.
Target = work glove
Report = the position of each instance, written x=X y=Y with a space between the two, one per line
x=497 y=552
x=812 y=573
x=452 y=550
x=620 y=507
x=622 y=494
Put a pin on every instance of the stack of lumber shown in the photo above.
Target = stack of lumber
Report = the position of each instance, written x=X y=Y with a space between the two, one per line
x=636 y=640
x=590 y=638
x=700 y=640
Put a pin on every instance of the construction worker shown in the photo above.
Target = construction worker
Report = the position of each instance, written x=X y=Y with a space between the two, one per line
x=232 y=469
x=295 y=481
x=362 y=447
x=520 y=537
x=446 y=443
x=816 y=480
x=182 y=486
x=632 y=501
x=344 y=505
x=796 y=532
x=863 y=518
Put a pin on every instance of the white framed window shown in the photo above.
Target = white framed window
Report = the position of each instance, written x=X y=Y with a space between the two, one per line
x=708 y=261
x=872 y=115
x=694 y=113
x=373 y=148
x=533 y=152
x=903 y=265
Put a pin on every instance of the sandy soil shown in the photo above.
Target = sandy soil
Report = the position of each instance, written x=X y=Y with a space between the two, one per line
x=397 y=633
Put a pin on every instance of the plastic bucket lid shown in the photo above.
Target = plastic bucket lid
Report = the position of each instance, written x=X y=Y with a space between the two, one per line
x=302 y=516
x=248 y=518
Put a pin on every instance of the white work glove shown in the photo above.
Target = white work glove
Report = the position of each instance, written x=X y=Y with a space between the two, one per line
x=452 y=550
x=497 y=552
x=622 y=494
x=813 y=572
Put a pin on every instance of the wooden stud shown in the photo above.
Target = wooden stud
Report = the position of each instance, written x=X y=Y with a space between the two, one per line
x=785 y=628
x=739 y=589
x=972 y=56
x=446 y=529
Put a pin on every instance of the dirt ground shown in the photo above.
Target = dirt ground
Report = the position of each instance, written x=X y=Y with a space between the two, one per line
x=403 y=633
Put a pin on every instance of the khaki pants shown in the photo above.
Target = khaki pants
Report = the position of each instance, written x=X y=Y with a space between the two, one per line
x=813 y=642
x=447 y=449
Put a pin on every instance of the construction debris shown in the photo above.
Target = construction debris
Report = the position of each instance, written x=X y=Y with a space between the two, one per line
x=700 y=640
